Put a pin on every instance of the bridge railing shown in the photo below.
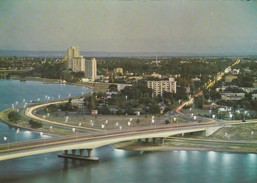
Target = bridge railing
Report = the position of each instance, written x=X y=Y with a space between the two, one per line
x=80 y=137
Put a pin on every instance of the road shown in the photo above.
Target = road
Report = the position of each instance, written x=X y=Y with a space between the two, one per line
x=77 y=138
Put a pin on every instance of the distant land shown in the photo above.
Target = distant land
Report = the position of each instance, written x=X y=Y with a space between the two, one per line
x=23 y=53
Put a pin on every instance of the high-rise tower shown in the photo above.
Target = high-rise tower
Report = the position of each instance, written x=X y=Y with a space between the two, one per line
x=91 y=71
x=75 y=62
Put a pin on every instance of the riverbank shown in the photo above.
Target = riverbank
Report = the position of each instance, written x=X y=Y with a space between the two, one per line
x=148 y=146
x=95 y=86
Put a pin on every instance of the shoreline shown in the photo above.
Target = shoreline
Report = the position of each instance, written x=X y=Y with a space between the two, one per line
x=150 y=147
x=3 y=116
x=139 y=146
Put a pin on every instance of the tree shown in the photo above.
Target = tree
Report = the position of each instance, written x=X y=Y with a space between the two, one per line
x=51 y=108
x=199 y=101
x=14 y=116
x=34 y=124
x=104 y=110
x=92 y=102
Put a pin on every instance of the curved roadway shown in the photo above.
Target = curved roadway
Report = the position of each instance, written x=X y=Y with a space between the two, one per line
x=29 y=113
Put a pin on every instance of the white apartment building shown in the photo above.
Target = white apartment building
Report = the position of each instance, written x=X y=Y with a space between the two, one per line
x=78 y=64
x=75 y=62
x=164 y=85
x=91 y=69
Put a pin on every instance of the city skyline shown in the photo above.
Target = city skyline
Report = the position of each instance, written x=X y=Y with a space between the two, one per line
x=130 y=26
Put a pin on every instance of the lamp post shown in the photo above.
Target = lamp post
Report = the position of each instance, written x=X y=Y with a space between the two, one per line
x=153 y=122
x=7 y=141
x=195 y=118
x=17 y=131
x=129 y=124
x=91 y=123
x=174 y=120
x=80 y=124
x=103 y=128
x=252 y=134
x=226 y=137
x=41 y=134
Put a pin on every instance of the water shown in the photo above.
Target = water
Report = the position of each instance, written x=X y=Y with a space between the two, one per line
x=115 y=166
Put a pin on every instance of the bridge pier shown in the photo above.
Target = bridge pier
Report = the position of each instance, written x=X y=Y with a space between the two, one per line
x=154 y=140
x=73 y=155
x=89 y=152
x=162 y=140
x=73 y=151
x=146 y=139
x=81 y=152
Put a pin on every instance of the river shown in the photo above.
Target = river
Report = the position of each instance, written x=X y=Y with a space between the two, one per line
x=115 y=166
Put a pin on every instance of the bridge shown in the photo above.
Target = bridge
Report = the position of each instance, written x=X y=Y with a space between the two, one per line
x=88 y=142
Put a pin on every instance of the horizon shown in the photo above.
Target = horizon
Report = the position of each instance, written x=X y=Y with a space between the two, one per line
x=43 y=53
x=195 y=27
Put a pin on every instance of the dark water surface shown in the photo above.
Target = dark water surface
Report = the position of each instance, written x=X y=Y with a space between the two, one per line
x=115 y=166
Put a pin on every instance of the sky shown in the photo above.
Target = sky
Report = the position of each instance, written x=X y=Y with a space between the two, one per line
x=180 y=26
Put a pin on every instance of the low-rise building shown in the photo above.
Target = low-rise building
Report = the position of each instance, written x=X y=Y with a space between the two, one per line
x=122 y=86
x=164 y=85
x=118 y=70
x=232 y=96
x=254 y=96
x=229 y=78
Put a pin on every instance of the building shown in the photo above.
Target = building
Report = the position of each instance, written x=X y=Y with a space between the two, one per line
x=78 y=64
x=91 y=69
x=229 y=78
x=118 y=70
x=232 y=96
x=163 y=85
x=75 y=61
x=122 y=86
x=254 y=96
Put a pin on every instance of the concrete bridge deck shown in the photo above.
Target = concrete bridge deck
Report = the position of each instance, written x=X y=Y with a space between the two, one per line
x=85 y=141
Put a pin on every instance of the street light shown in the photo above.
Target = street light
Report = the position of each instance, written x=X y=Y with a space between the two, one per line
x=17 y=131
x=129 y=123
x=103 y=128
x=153 y=122
x=226 y=137
x=6 y=140
x=66 y=119
x=117 y=124
x=252 y=134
